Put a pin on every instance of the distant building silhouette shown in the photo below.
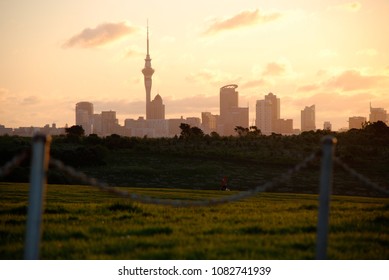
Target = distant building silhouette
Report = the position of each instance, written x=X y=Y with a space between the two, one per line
x=109 y=123
x=5 y=130
x=308 y=119
x=97 y=124
x=267 y=113
x=193 y=121
x=327 y=126
x=282 y=126
x=84 y=116
x=157 y=108
x=378 y=114
x=148 y=73
x=356 y=122
x=231 y=115
x=31 y=131
x=209 y=122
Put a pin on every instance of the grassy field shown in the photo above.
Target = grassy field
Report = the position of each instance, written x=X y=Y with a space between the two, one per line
x=83 y=223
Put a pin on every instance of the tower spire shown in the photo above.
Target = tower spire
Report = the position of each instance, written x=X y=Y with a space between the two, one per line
x=148 y=72
x=148 y=37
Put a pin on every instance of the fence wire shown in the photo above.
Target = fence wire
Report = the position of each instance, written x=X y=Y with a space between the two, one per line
x=184 y=203
x=363 y=179
x=15 y=162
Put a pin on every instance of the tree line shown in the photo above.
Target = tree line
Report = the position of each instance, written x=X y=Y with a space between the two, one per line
x=367 y=147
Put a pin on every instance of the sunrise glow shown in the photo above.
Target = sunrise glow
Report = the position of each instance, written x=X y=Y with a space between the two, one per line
x=54 y=54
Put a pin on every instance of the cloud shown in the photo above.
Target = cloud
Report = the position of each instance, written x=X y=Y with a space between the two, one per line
x=30 y=100
x=367 y=52
x=244 y=18
x=308 y=88
x=187 y=106
x=199 y=103
x=275 y=69
x=351 y=80
x=255 y=83
x=281 y=68
x=348 y=81
x=214 y=77
x=334 y=104
x=100 y=35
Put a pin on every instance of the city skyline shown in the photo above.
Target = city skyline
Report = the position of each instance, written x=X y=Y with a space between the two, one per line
x=331 y=54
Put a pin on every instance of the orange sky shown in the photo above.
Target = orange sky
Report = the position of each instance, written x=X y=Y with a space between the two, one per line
x=334 y=54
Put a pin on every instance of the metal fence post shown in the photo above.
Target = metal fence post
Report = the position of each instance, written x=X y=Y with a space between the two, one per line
x=39 y=165
x=328 y=144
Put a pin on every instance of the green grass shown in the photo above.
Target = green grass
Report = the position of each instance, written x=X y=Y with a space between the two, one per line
x=83 y=223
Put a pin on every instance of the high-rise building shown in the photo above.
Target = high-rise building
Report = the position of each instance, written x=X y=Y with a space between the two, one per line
x=231 y=115
x=84 y=116
x=109 y=122
x=157 y=108
x=193 y=121
x=378 y=114
x=148 y=73
x=327 y=126
x=228 y=100
x=209 y=122
x=308 y=119
x=96 y=123
x=356 y=122
x=267 y=113
x=283 y=126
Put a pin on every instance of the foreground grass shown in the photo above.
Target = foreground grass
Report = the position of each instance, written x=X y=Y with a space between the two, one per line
x=83 y=223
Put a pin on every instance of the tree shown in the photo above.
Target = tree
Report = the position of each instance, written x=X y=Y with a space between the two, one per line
x=190 y=132
x=215 y=135
x=75 y=131
x=185 y=130
x=254 y=131
x=377 y=128
x=241 y=131
x=244 y=131
x=196 y=132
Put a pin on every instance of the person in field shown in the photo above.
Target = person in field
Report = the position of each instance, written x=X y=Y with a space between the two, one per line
x=224 y=184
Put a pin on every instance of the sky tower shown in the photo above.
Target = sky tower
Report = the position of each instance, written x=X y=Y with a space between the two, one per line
x=148 y=73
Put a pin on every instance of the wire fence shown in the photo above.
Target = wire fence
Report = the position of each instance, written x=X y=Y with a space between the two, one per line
x=151 y=200
x=20 y=158
x=363 y=179
x=40 y=162
x=15 y=162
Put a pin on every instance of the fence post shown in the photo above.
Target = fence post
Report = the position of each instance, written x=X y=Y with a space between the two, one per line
x=328 y=145
x=39 y=165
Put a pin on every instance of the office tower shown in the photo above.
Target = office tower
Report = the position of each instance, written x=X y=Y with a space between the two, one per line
x=157 y=108
x=209 y=122
x=231 y=115
x=327 y=126
x=356 y=122
x=84 y=116
x=228 y=100
x=96 y=123
x=267 y=113
x=308 y=119
x=193 y=121
x=148 y=73
x=109 y=122
x=378 y=114
x=283 y=126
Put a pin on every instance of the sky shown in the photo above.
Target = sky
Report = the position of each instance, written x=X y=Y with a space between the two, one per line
x=53 y=54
